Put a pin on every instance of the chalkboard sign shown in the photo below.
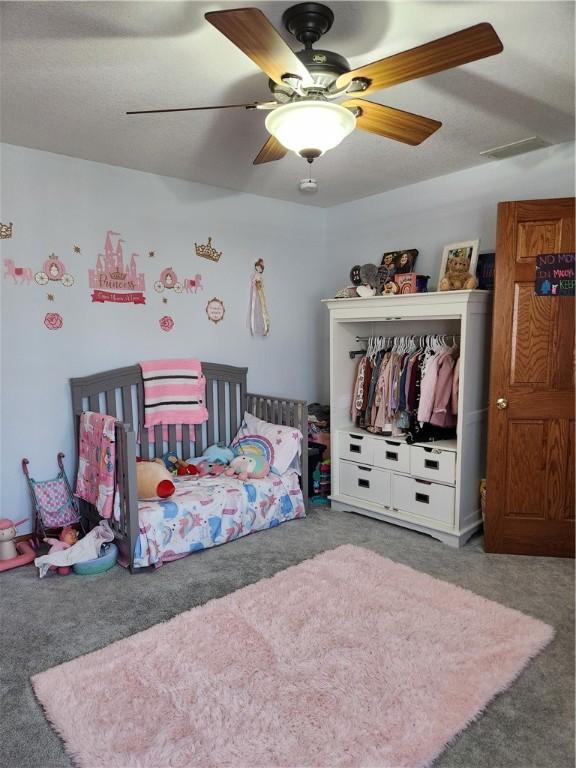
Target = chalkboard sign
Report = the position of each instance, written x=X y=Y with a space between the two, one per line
x=555 y=274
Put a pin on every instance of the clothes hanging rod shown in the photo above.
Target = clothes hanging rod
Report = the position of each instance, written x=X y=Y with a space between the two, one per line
x=360 y=339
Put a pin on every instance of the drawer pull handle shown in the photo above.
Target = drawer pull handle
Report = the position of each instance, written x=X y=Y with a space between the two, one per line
x=429 y=464
x=363 y=483
x=392 y=455
x=356 y=437
x=423 y=497
x=391 y=442
x=365 y=469
x=355 y=448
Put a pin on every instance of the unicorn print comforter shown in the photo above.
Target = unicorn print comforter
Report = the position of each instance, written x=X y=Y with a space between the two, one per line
x=210 y=511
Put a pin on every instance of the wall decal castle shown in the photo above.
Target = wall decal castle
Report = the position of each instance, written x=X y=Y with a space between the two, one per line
x=111 y=279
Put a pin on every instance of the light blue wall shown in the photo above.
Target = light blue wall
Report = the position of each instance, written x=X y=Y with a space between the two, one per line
x=56 y=202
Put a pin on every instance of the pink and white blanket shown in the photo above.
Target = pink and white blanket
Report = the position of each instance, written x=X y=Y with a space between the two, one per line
x=174 y=392
x=96 y=461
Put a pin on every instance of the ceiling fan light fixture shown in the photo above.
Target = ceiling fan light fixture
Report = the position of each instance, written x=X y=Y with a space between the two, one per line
x=307 y=127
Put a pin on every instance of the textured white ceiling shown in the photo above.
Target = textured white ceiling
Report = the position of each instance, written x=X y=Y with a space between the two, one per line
x=69 y=71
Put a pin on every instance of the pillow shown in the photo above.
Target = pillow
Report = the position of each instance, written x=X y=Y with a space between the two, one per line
x=280 y=446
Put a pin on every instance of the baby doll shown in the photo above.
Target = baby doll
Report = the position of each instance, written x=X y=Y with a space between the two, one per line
x=68 y=537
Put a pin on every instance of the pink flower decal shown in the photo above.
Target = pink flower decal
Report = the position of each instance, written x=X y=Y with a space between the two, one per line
x=166 y=323
x=53 y=321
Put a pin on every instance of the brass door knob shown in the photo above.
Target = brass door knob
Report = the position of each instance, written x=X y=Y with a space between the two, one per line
x=501 y=403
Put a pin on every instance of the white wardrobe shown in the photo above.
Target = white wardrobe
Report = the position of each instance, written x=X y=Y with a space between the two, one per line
x=429 y=487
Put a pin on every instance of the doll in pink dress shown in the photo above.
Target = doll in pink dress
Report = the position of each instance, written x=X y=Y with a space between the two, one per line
x=68 y=537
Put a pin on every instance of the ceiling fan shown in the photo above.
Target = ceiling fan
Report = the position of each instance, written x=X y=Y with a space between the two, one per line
x=315 y=92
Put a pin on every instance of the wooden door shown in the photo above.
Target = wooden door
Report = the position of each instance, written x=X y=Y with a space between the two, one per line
x=530 y=475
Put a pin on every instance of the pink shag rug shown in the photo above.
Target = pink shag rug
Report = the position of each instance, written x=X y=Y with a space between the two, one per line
x=348 y=659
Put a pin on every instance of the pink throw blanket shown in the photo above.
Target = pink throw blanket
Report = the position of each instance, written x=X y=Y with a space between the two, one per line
x=174 y=392
x=96 y=461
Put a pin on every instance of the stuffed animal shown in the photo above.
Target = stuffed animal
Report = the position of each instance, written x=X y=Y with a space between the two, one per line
x=218 y=454
x=248 y=468
x=457 y=275
x=153 y=480
x=365 y=291
x=178 y=466
x=7 y=535
x=390 y=288
x=68 y=537
x=211 y=468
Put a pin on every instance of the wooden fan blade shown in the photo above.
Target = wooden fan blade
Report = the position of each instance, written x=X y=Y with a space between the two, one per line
x=272 y=150
x=251 y=105
x=250 y=30
x=453 y=50
x=392 y=123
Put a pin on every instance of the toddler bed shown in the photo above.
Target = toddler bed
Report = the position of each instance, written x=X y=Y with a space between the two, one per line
x=201 y=513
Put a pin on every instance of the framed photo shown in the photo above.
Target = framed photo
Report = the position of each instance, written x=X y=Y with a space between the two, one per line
x=467 y=249
x=396 y=263
x=406 y=282
x=485 y=271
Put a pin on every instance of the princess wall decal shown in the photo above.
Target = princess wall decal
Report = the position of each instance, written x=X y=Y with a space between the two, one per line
x=259 y=317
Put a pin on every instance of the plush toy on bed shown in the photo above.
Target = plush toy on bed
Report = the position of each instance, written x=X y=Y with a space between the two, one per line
x=218 y=454
x=178 y=466
x=212 y=468
x=248 y=468
x=153 y=480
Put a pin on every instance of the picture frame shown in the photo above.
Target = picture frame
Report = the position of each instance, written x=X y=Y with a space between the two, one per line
x=485 y=271
x=396 y=262
x=468 y=248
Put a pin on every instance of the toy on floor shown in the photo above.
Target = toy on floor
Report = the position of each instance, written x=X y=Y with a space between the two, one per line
x=153 y=480
x=13 y=554
x=105 y=560
x=68 y=537
x=53 y=501
x=86 y=548
x=248 y=468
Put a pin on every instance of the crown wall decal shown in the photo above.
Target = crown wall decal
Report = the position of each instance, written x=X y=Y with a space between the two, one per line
x=5 y=231
x=208 y=251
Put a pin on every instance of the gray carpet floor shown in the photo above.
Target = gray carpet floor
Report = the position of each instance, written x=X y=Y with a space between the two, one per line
x=45 y=622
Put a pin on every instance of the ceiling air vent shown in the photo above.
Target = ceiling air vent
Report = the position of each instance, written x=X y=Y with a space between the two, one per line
x=515 y=148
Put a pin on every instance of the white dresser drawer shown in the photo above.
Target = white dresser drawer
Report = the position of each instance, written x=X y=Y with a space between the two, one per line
x=392 y=454
x=365 y=482
x=423 y=498
x=433 y=463
x=359 y=448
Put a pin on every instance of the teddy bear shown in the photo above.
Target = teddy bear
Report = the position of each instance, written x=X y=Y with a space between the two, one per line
x=153 y=480
x=457 y=275
x=390 y=288
x=248 y=468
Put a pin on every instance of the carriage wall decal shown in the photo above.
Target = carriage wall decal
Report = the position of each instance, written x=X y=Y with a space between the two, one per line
x=54 y=269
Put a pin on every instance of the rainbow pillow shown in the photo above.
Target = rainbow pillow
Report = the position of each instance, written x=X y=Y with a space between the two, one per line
x=278 y=444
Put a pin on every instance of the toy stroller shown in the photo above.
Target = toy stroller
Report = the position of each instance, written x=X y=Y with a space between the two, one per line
x=53 y=502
